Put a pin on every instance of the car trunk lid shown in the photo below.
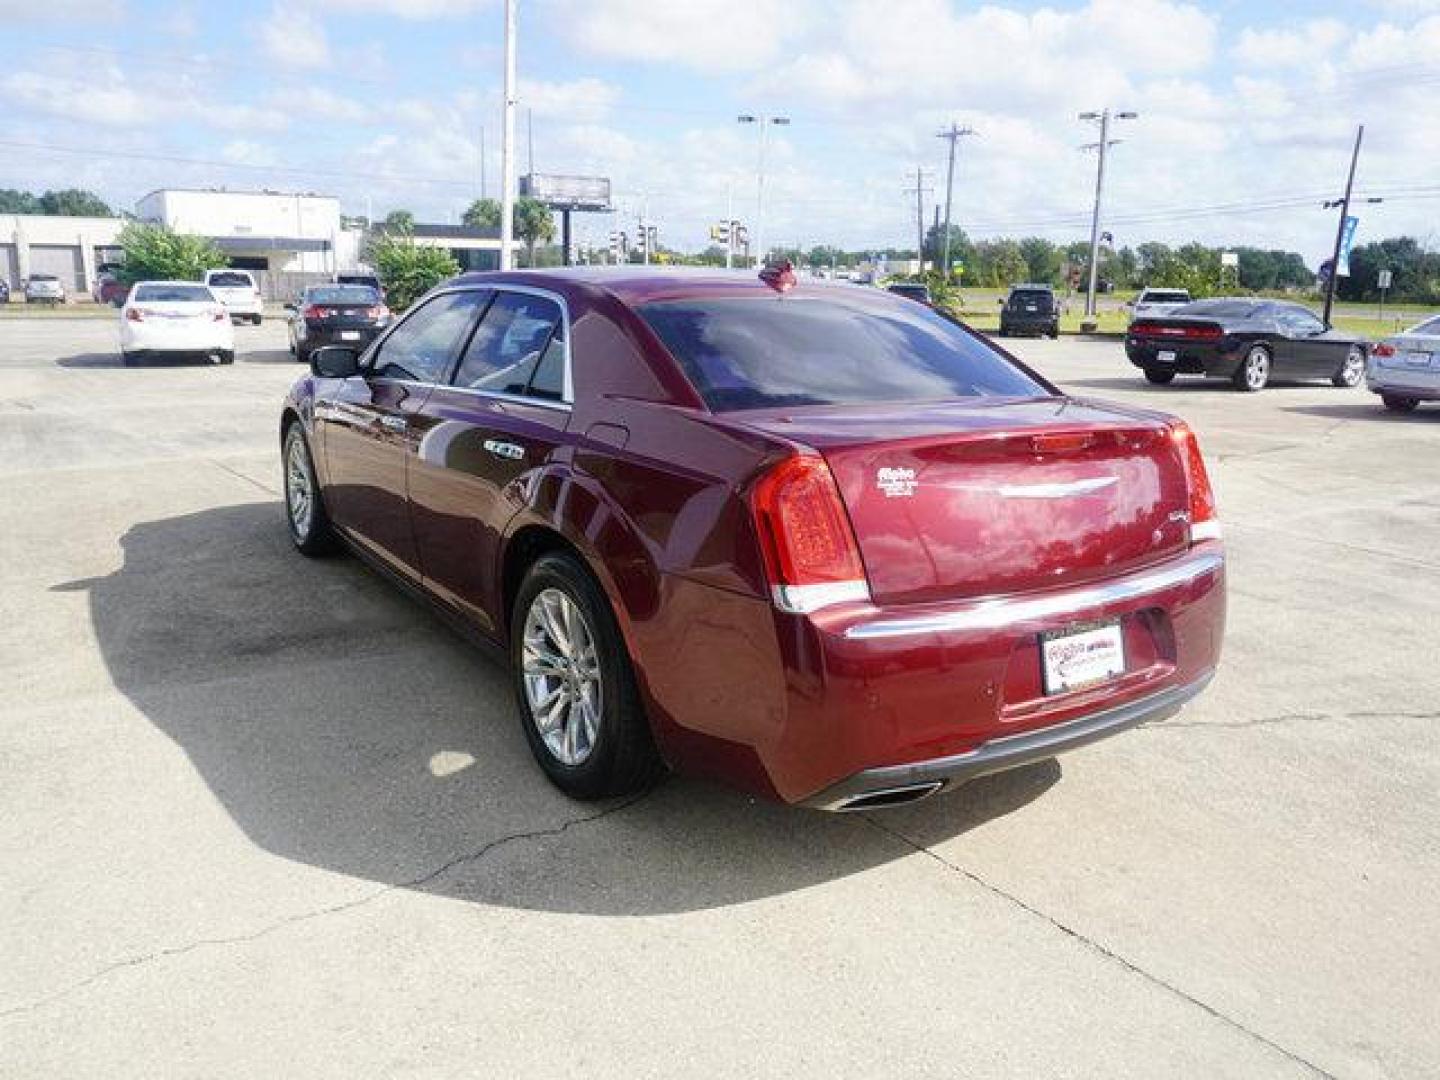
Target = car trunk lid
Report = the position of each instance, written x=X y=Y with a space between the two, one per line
x=955 y=500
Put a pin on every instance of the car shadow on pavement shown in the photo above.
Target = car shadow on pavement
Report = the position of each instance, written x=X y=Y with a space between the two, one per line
x=268 y=356
x=1371 y=410
x=112 y=360
x=91 y=360
x=343 y=726
x=1179 y=386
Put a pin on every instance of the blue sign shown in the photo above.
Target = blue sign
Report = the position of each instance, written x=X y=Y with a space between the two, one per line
x=1347 y=237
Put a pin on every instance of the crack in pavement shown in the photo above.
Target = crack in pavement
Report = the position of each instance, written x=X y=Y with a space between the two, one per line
x=242 y=476
x=1097 y=947
x=318 y=913
x=1285 y=718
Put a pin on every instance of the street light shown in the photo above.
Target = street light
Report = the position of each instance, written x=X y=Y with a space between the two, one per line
x=1104 y=117
x=764 y=123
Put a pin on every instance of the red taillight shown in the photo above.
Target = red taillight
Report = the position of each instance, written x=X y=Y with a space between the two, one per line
x=809 y=546
x=1382 y=349
x=1177 y=333
x=1204 y=521
x=378 y=312
x=134 y=314
x=313 y=312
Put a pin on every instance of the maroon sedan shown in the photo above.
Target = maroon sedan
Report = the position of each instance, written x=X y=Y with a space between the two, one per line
x=819 y=541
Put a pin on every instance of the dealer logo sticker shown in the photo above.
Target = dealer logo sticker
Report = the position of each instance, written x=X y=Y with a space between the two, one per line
x=896 y=483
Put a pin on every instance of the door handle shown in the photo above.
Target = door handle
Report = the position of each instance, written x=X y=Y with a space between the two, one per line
x=505 y=449
x=395 y=423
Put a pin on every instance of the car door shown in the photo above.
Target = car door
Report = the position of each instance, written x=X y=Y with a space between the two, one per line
x=484 y=437
x=365 y=425
x=1309 y=352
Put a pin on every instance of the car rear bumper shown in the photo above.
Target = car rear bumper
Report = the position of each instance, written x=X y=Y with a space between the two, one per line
x=1029 y=324
x=208 y=337
x=359 y=336
x=1189 y=359
x=1420 y=383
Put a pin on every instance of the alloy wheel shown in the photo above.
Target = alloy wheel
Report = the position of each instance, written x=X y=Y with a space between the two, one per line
x=1354 y=368
x=1257 y=369
x=561 y=669
x=299 y=490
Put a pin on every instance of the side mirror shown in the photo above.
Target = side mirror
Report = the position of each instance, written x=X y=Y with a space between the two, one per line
x=335 y=362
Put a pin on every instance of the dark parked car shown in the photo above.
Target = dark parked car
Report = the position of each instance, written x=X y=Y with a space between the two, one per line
x=335 y=314
x=1030 y=309
x=911 y=291
x=1246 y=341
x=821 y=542
x=4 y=291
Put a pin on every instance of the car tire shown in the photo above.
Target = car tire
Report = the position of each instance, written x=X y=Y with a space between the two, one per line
x=1351 y=370
x=1394 y=403
x=128 y=359
x=227 y=356
x=309 y=524
x=1254 y=371
x=566 y=647
x=1159 y=376
x=1055 y=333
x=302 y=354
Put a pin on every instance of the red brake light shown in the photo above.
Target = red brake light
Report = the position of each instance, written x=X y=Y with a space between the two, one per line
x=1382 y=349
x=313 y=312
x=805 y=534
x=1202 y=332
x=218 y=314
x=134 y=314
x=1204 y=521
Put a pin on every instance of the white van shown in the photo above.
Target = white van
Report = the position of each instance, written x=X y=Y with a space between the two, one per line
x=237 y=290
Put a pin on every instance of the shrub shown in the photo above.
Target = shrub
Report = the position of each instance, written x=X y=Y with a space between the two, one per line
x=407 y=270
x=155 y=253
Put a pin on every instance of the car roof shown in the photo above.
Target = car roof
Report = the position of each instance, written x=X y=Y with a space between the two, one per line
x=169 y=281
x=644 y=284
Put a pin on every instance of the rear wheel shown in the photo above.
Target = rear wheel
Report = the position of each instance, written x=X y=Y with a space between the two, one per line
x=129 y=359
x=1159 y=376
x=579 y=706
x=1398 y=404
x=1352 y=368
x=227 y=356
x=310 y=527
x=1254 y=371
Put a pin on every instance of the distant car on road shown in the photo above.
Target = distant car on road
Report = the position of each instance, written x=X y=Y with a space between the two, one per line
x=1154 y=303
x=911 y=290
x=1405 y=369
x=174 y=318
x=44 y=289
x=335 y=315
x=236 y=289
x=1247 y=341
x=1030 y=309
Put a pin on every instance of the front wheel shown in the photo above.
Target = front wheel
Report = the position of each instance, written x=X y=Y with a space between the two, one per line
x=310 y=527
x=579 y=706
x=1394 y=403
x=1254 y=371
x=1351 y=370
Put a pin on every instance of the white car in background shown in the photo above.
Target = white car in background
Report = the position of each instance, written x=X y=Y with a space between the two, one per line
x=44 y=289
x=175 y=319
x=1158 y=303
x=1405 y=369
x=237 y=290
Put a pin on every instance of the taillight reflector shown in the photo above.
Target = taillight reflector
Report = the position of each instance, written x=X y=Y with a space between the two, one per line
x=1204 y=520
x=1178 y=333
x=1382 y=349
x=134 y=314
x=805 y=535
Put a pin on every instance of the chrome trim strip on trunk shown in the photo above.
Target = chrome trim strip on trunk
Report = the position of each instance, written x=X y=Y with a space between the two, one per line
x=1002 y=611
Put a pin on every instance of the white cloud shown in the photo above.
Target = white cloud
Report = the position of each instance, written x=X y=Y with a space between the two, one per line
x=293 y=37
x=62 y=11
x=1304 y=46
x=406 y=9
x=579 y=101
x=246 y=152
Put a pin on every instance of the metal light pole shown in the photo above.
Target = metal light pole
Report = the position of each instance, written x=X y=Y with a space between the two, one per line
x=954 y=134
x=764 y=123
x=1103 y=146
x=507 y=145
x=1344 y=205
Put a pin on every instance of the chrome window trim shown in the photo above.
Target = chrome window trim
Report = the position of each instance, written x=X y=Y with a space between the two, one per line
x=992 y=614
x=568 y=393
x=498 y=395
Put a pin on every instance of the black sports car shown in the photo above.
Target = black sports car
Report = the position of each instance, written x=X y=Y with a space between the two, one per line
x=1247 y=341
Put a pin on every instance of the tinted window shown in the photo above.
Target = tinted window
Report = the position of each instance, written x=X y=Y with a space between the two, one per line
x=1161 y=296
x=1222 y=309
x=508 y=347
x=343 y=294
x=230 y=280
x=1022 y=298
x=421 y=348
x=195 y=294
x=1429 y=328
x=756 y=353
x=1296 y=320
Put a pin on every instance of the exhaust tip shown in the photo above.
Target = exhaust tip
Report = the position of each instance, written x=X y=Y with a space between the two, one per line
x=898 y=796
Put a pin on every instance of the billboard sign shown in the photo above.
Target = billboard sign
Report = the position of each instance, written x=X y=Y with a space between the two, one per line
x=568 y=192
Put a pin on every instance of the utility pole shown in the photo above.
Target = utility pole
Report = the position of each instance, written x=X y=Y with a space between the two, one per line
x=1103 y=147
x=482 y=161
x=919 y=192
x=507 y=145
x=530 y=139
x=954 y=134
x=1344 y=205
x=764 y=123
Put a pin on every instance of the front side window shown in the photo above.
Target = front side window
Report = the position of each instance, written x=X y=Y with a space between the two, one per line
x=771 y=352
x=518 y=348
x=422 y=347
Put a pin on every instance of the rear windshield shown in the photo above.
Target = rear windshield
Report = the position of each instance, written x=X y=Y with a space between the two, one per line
x=174 y=294
x=1040 y=298
x=345 y=294
x=1161 y=296
x=1224 y=309
x=919 y=292
x=1428 y=328
x=358 y=279
x=763 y=353
x=43 y=277
x=231 y=280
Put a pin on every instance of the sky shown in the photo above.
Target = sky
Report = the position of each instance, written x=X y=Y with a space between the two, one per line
x=1248 y=110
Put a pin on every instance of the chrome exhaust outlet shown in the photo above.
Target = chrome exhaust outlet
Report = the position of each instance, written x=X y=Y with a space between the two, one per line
x=896 y=796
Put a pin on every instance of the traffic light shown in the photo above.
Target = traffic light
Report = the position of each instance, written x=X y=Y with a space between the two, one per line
x=720 y=233
x=642 y=240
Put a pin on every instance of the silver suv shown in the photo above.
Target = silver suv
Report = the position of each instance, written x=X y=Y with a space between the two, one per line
x=44 y=289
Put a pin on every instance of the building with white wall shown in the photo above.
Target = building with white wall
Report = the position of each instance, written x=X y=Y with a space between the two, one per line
x=71 y=248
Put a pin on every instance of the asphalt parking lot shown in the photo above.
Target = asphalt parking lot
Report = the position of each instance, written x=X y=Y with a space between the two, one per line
x=261 y=816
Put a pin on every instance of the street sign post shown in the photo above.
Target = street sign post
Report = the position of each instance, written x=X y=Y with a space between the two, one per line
x=1383 y=282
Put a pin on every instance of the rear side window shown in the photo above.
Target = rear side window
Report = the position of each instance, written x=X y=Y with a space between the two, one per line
x=763 y=353
x=518 y=341
x=184 y=294
x=230 y=279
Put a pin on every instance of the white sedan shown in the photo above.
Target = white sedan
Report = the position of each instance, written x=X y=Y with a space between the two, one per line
x=175 y=318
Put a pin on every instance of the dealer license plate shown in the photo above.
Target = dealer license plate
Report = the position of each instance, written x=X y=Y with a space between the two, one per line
x=349 y=335
x=1082 y=656
x=1166 y=356
x=1417 y=359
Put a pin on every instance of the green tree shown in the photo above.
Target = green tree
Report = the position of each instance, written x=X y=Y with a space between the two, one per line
x=72 y=202
x=533 y=223
x=483 y=214
x=156 y=253
x=1042 y=260
x=406 y=269
x=961 y=250
x=400 y=219
x=18 y=202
